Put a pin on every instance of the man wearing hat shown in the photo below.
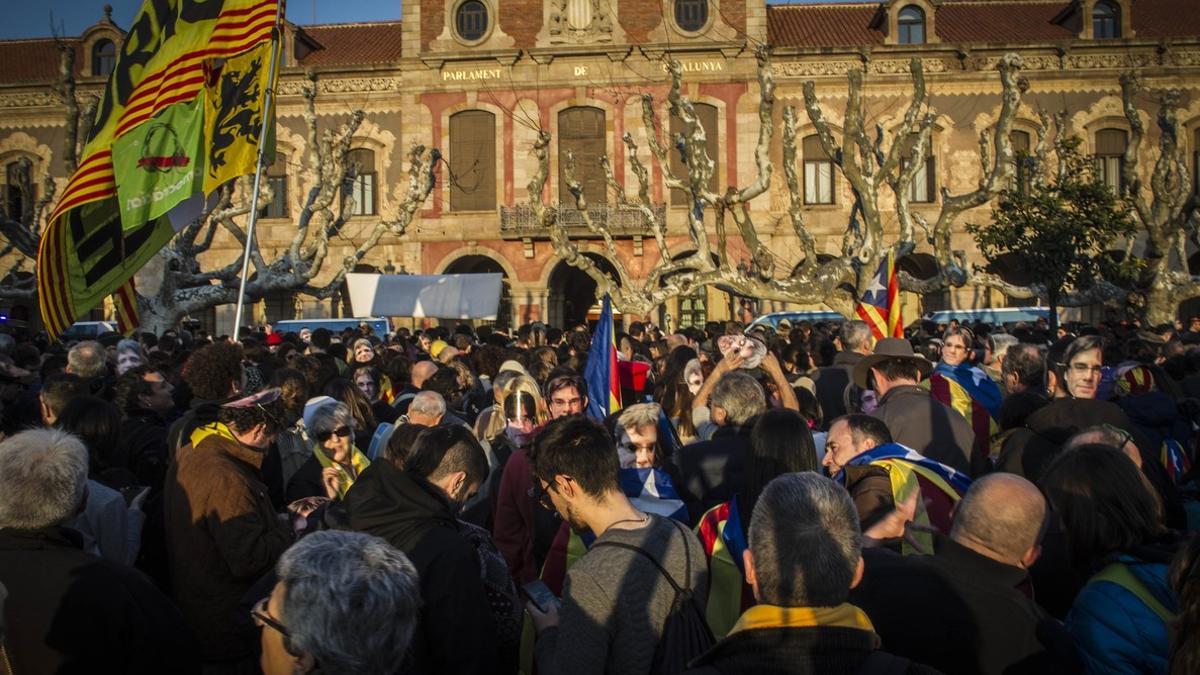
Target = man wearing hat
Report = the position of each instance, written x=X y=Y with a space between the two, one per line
x=913 y=416
x=222 y=532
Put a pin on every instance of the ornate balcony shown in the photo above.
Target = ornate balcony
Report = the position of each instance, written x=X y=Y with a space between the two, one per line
x=520 y=222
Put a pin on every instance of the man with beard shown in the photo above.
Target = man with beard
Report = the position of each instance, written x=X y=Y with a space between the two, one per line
x=615 y=600
x=416 y=510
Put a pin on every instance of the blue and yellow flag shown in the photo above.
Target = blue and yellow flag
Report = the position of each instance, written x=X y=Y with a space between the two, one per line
x=603 y=381
x=145 y=152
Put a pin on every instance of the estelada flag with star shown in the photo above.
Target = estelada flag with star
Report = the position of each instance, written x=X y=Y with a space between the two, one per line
x=880 y=304
x=149 y=149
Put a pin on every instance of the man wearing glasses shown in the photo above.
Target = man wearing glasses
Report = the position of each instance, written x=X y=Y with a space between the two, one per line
x=222 y=532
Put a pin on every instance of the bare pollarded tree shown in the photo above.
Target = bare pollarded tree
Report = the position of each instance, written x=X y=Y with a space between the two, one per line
x=1169 y=216
x=328 y=208
x=187 y=289
x=871 y=164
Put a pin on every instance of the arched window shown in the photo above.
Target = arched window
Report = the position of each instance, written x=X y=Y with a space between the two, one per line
x=1022 y=160
x=277 y=179
x=581 y=131
x=1106 y=21
x=1110 y=150
x=363 y=189
x=911 y=22
x=691 y=15
x=104 y=57
x=471 y=20
x=923 y=189
x=818 y=172
x=707 y=114
x=472 y=161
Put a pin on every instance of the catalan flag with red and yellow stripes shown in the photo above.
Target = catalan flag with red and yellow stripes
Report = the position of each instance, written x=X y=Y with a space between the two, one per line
x=88 y=250
x=880 y=303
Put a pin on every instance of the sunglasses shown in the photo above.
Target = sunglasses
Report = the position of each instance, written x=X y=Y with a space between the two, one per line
x=342 y=431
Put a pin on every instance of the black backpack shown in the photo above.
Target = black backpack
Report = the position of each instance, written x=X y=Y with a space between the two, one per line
x=686 y=634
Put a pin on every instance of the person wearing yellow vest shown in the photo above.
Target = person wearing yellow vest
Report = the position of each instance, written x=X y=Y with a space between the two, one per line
x=780 y=443
x=804 y=556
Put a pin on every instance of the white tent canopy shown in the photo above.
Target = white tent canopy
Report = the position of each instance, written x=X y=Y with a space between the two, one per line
x=445 y=296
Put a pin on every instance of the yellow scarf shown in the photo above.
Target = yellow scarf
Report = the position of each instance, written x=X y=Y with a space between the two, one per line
x=844 y=615
x=214 y=429
x=358 y=462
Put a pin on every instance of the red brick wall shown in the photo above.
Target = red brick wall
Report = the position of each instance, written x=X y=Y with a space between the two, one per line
x=521 y=20
x=433 y=15
x=639 y=17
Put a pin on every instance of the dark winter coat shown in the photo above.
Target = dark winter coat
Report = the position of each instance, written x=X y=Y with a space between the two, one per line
x=222 y=536
x=926 y=425
x=71 y=612
x=712 y=471
x=456 y=633
x=961 y=612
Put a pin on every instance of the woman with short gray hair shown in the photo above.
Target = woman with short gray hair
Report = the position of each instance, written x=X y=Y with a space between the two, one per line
x=345 y=602
x=335 y=463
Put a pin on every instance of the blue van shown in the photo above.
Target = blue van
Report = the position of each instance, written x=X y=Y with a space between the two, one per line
x=996 y=316
x=811 y=316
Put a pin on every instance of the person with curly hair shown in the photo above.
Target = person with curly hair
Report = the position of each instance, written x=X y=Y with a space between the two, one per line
x=214 y=374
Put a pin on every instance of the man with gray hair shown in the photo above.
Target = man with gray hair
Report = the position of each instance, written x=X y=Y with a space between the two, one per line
x=711 y=471
x=804 y=556
x=88 y=360
x=427 y=409
x=962 y=610
x=69 y=610
x=331 y=586
x=833 y=382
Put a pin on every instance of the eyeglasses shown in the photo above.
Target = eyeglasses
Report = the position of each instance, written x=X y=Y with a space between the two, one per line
x=1084 y=369
x=342 y=431
x=1125 y=437
x=542 y=496
x=263 y=618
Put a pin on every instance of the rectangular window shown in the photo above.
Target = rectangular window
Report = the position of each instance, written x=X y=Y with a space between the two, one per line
x=1110 y=150
x=707 y=114
x=472 y=161
x=363 y=192
x=818 y=182
x=1022 y=162
x=279 y=204
x=923 y=188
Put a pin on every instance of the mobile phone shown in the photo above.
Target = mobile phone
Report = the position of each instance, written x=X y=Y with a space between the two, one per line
x=540 y=595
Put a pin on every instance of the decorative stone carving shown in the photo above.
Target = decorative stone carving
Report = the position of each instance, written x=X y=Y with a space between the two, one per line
x=579 y=22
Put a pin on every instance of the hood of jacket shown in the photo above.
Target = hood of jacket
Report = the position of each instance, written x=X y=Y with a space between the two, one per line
x=397 y=506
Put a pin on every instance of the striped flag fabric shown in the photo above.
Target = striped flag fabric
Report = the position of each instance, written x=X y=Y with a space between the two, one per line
x=972 y=394
x=880 y=303
x=601 y=374
x=88 y=250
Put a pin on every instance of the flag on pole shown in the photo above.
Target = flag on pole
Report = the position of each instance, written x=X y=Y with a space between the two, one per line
x=603 y=380
x=146 y=152
x=880 y=304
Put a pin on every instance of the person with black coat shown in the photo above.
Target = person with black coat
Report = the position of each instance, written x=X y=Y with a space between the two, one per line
x=967 y=607
x=67 y=610
x=415 y=510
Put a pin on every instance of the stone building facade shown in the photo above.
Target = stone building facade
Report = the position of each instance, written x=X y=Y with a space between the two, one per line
x=477 y=78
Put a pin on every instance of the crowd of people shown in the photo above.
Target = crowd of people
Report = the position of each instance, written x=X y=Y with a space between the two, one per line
x=767 y=499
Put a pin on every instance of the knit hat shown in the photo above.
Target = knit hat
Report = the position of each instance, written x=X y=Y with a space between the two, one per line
x=315 y=403
x=274 y=339
x=437 y=347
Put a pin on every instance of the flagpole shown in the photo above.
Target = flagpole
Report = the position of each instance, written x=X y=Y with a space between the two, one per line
x=268 y=100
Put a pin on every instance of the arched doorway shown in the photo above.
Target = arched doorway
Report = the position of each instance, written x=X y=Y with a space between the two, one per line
x=481 y=264
x=1014 y=269
x=572 y=292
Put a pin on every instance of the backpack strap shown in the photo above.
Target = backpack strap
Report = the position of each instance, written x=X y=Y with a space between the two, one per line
x=662 y=570
x=1118 y=573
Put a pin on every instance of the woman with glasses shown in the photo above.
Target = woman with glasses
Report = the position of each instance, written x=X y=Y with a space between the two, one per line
x=969 y=391
x=335 y=462
x=1122 y=616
